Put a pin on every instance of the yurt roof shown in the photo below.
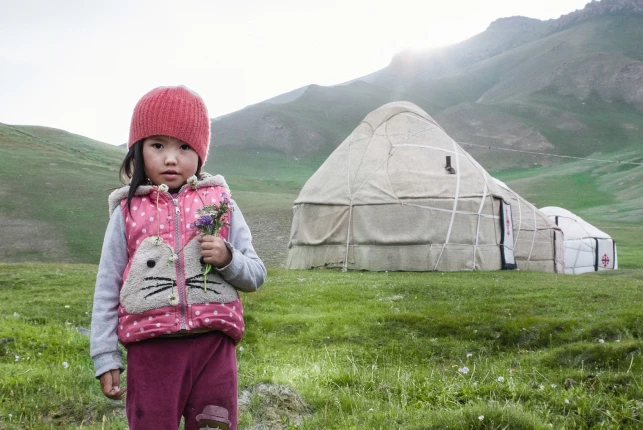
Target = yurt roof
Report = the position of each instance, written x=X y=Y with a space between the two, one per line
x=577 y=228
x=397 y=153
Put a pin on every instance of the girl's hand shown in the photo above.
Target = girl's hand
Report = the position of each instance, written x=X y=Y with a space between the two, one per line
x=214 y=251
x=110 y=384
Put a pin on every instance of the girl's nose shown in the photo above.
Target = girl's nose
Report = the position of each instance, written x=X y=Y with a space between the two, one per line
x=170 y=158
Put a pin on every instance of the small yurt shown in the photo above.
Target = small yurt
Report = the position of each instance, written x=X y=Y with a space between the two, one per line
x=587 y=249
x=400 y=194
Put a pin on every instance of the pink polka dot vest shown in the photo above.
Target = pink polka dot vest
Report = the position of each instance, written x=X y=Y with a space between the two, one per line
x=164 y=290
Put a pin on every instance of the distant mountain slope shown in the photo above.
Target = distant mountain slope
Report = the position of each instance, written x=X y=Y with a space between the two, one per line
x=289 y=96
x=311 y=124
x=569 y=86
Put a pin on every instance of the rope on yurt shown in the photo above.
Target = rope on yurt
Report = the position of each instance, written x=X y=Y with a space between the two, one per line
x=607 y=227
x=533 y=239
x=482 y=201
x=475 y=246
x=580 y=244
x=348 y=234
x=552 y=155
x=350 y=207
x=431 y=208
x=440 y=209
x=455 y=202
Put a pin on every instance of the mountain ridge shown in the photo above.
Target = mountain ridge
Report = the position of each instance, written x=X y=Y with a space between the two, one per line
x=571 y=85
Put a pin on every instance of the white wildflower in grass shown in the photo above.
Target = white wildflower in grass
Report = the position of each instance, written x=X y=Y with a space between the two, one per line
x=566 y=401
x=163 y=188
x=481 y=417
x=192 y=181
x=66 y=306
x=17 y=358
x=65 y=364
x=464 y=370
x=469 y=355
x=500 y=379
x=16 y=314
x=601 y=340
x=241 y=348
x=554 y=385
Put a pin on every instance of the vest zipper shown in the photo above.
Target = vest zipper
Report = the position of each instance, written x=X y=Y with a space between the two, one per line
x=177 y=238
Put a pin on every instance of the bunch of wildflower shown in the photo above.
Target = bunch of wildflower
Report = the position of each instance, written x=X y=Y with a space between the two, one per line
x=209 y=220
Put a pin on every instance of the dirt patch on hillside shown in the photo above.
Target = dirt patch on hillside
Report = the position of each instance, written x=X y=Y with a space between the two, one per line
x=29 y=240
x=273 y=407
x=270 y=235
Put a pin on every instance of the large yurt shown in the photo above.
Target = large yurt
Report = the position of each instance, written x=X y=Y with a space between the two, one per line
x=400 y=194
x=587 y=249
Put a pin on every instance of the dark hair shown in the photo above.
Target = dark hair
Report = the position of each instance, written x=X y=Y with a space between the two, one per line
x=133 y=170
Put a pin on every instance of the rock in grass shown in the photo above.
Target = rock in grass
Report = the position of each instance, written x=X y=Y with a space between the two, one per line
x=273 y=406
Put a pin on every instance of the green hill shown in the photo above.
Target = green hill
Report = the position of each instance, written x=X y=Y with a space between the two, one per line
x=54 y=186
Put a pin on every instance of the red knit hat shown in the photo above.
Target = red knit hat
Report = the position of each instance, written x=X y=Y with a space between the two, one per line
x=172 y=111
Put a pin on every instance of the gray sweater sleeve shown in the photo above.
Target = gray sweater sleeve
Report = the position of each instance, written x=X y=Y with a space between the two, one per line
x=104 y=348
x=246 y=271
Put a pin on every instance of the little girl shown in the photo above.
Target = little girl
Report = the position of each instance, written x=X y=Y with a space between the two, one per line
x=179 y=323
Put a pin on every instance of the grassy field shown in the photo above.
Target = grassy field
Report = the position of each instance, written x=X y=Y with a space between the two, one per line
x=331 y=350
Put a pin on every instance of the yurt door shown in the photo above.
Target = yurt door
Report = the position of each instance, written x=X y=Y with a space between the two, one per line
x=605 y=255
x=507 y=241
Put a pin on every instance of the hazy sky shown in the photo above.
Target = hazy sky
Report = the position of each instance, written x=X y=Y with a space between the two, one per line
x=81 y=65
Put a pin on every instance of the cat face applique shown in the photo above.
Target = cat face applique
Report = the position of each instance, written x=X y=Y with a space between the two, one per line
x=152 y=284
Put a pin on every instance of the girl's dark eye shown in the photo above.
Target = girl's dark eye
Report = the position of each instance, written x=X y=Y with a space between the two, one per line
x=157 y=146
x=151 y=263
x=185 y=147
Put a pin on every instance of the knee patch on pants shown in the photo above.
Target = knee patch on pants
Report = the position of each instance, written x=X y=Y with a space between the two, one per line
x=213 y=417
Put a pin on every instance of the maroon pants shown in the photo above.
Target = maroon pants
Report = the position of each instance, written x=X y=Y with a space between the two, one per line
x=194 y=377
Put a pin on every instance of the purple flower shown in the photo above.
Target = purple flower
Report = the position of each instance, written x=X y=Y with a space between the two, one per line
x=204 y=221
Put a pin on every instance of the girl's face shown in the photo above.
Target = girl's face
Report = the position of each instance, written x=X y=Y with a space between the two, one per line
x=169 y=161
